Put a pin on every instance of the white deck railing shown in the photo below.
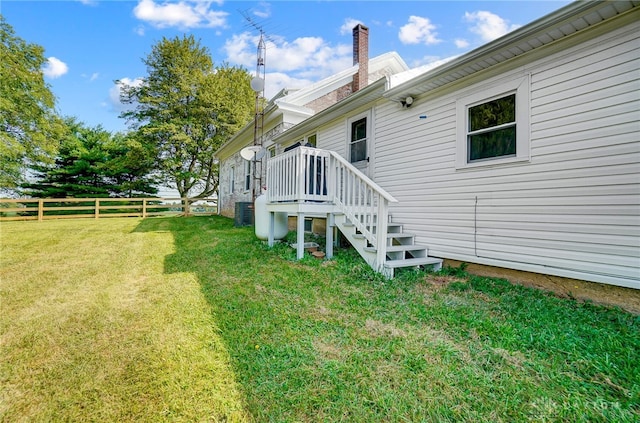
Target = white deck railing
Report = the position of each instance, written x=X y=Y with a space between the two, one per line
x=308 y=174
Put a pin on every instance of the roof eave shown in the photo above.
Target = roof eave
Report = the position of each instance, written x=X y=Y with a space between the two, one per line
x=370 y=93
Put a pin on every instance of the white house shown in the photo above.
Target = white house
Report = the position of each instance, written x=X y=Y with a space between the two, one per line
x=522 y=154
x=290 y=107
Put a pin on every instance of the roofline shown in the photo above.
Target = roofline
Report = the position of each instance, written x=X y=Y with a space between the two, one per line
x=281 y=101
x=372 y=90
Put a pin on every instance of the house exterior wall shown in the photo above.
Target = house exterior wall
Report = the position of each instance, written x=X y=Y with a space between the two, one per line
x=571 y=209
x=228 y=198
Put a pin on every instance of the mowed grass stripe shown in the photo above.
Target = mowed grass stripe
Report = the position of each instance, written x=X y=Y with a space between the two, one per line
x=208 y=324
x=95 y=330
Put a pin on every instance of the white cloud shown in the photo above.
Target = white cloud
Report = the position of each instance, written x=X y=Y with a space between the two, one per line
x=265 y=10
x=276 y=81
x=116 y=89
x=184 y=14
x=290 y=64
x=54 y=68
x=461 y=43
x=309 y=55
x=91 y=77
x=348 y=25
x=419 y=30
x=488 y=25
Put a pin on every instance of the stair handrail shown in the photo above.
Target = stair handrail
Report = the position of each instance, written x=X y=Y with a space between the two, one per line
x=363 y=202
x=364 y=177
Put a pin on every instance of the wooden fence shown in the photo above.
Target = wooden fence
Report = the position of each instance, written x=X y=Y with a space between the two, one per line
x=73 y=208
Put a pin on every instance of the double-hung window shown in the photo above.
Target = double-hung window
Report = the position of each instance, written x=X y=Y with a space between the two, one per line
x=247 y=175
x=493 y=125
x=358 y=140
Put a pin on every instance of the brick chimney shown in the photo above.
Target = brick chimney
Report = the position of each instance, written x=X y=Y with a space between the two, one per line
x=361 y=56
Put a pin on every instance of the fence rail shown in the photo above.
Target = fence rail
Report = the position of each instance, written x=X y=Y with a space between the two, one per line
x=96 y=208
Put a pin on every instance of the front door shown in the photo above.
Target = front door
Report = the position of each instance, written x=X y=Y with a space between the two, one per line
x=359 y=143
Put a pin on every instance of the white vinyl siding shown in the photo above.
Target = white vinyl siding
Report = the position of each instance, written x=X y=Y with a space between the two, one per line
x=572 y=209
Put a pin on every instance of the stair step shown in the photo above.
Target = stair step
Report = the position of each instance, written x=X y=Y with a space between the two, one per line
x=398 y=248
x=348 y=223
x=389 y=236
x=399 y=235
x=412 y=262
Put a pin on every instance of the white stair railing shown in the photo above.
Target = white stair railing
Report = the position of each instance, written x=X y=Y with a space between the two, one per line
x=363 y=202
x=308 y=174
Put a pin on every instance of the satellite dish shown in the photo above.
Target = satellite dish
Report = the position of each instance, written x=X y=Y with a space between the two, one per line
x=257 y=84
x=254 y=152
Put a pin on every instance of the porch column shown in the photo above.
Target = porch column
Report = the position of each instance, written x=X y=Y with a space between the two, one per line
x=300 y=235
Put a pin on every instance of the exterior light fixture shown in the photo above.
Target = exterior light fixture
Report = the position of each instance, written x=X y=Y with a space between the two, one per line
x=407 y=102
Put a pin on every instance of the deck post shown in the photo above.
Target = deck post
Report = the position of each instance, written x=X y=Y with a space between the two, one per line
x=329 y=235
x=300 y=250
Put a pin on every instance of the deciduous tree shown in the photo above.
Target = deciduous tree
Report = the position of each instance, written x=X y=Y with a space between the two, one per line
x=186 y=109
x=30 y=129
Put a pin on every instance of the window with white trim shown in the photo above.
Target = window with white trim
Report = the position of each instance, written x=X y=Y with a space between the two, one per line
x=247 y=175
x=232 y=179
x=493 y=125
x=358 y=140
x=312 y=140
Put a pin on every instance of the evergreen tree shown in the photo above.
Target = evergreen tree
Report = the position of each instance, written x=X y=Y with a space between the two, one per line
x=93 y=163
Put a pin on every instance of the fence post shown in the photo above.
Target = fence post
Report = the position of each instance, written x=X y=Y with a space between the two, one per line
x=144 y=208
x=97 y=208
x=40 y=209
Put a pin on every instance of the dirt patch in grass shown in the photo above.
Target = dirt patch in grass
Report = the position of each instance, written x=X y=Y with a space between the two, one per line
x=377 y=328
x=626 y=298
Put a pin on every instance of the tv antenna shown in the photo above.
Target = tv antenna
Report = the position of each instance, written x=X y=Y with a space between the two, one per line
x=257 y=85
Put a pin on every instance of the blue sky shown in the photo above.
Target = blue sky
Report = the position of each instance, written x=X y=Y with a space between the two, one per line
x=91 y=43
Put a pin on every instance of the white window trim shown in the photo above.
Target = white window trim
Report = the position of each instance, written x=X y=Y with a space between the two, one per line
x=247 y=176
x=368 y=139
x=519 y=86
x=232 y=179
x=306 y=138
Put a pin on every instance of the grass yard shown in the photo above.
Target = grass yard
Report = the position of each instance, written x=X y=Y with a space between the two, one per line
x=191 y=319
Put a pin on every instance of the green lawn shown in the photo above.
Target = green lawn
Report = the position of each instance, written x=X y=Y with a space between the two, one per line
x=191 y=319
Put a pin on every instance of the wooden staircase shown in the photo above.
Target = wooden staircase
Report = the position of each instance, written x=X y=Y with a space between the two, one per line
x=309 y=180
x=401 y=249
